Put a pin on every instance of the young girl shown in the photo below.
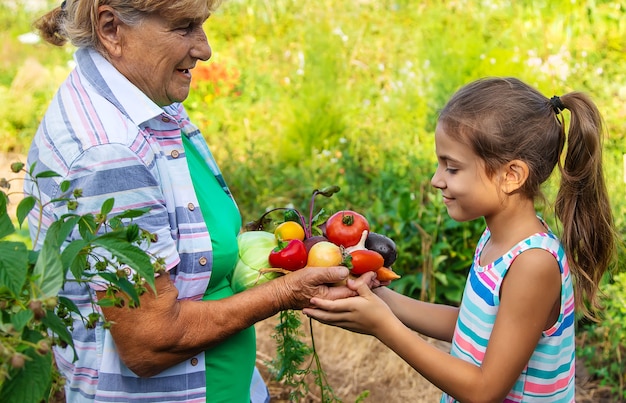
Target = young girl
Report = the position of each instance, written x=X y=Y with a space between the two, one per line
x=497 y=141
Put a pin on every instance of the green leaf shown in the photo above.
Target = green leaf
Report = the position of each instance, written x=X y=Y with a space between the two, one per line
x=65 y=185
x=128 y=254
x=87 y=226
x=316 y=218
x=48 y=273
x=6 y=225
x=57 y=326
x=132 y=232
x=24 y=207
x=70 y=255
x=107 y=206
x=13 y=266
x=327 y=191
x=66 y=227
x=20 y=319
x=47 y=174
x=78 y=265
x=69 y=304
x=31 y=383
x=106 y=302
x=134 y=213
x=126 y=286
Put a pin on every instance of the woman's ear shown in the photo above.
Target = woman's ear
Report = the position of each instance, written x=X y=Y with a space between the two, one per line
x=515 y=173
x=108 y=30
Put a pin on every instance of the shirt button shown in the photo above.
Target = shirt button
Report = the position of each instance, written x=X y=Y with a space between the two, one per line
x=194 y=361
x=202 y=261
x=175 y=154
x=127 y=271
x=165 y=119
x=191 y=207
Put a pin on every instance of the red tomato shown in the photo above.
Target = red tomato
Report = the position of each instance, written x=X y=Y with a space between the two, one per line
x=364 y=260
x=345 y=228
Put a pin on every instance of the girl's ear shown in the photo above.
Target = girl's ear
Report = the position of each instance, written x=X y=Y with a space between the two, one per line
x=515 y=173
x=108 y=30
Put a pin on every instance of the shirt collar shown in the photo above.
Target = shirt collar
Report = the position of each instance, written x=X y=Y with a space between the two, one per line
x=116 y=88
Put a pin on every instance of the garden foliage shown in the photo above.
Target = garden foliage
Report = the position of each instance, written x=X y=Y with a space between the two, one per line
x=34 y=316
x=301 y=95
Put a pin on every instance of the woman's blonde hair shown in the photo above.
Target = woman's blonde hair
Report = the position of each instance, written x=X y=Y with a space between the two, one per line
x=76 y=20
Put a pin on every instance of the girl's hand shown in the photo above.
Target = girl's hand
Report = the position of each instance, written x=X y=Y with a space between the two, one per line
x=365 y=313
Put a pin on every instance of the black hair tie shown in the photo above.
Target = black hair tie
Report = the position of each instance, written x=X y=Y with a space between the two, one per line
x=557 y=105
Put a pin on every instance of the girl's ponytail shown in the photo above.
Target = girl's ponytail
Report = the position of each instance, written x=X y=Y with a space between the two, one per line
x=582 y=203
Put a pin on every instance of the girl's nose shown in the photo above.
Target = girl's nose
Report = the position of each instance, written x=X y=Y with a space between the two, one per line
x=436 y=180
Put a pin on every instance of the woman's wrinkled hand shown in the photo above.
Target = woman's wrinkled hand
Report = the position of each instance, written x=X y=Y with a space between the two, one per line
x=296 y=289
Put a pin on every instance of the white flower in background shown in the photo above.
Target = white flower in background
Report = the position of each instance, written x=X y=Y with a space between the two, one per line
x=300 y=70
x=29 y=38
x=337 y=31
x=555 y=65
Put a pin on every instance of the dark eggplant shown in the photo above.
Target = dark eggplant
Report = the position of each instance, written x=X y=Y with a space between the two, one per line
x=383 y=245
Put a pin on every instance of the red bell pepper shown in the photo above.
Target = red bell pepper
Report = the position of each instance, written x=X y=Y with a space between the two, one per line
x=289 y=255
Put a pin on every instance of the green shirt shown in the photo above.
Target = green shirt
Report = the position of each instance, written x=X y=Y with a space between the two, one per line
x=230 y=364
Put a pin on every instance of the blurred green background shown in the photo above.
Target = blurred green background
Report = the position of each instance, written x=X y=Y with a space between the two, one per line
x=301 y=95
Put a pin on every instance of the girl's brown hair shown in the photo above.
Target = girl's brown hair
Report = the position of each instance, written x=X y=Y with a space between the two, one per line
x=503 y=119
x=75 y=20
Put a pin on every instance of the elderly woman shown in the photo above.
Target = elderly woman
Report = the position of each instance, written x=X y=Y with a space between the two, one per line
x=117 y=128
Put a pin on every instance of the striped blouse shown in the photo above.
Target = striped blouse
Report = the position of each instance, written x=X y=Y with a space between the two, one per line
x=549 y=375
x=104 y=136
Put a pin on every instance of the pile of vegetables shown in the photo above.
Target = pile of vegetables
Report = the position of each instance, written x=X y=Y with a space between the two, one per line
x=295 y=243
x=270 y=248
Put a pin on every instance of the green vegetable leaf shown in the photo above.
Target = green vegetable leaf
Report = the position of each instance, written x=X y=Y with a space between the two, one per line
x=328 y=191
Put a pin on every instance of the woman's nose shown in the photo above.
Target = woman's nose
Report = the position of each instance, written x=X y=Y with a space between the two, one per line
x=201 y=49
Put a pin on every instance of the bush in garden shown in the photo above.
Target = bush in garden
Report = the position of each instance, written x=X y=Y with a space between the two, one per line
x=603 y=344
x=34 y=317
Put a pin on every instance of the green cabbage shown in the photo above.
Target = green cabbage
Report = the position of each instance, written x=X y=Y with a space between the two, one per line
x=254 y=250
